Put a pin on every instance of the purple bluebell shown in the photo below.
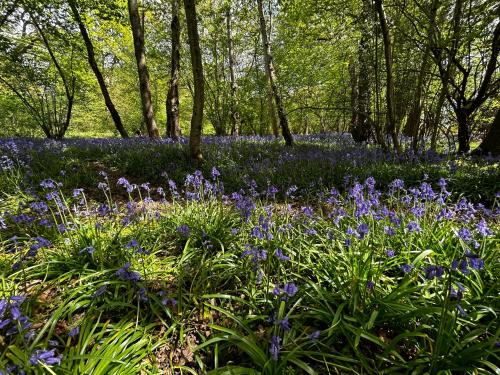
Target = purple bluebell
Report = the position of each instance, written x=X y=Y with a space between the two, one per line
x=184 y=230
x=215 y=173
x=482 y=228
x=314 y=336
x=279 y=254
x=75 y=331
x=275 y=347
x=390 y=253
x=290 y=289
x=363 y=230
x=89 y=250
x=100 y=291
x=413 y=226
x=126 y=274
x=407 y=268
x=47 y=357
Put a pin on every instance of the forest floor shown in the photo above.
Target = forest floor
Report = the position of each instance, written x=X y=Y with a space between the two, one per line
x=120 y=257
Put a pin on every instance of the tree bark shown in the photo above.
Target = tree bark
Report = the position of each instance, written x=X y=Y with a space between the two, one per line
x=386 y=35
x=413 y=123
x=69 y=88
x=199 y=94
x=142 y=69
x=491 y=141
x=271 y=76
x=272 y=114
x=233 y=105
x=173 y=124
x=97 y=72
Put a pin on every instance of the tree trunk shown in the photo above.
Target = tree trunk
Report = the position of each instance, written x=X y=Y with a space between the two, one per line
x=463 y=131
x=491 y=141
x=198 y=95
x=436 y=118
x=142 y=69
x=271 y=76
x=233 y=105
x=69 y=89
x=95 y=68
x=272 y=114
x=413 y=123
x=173 y=124
x=391 y=120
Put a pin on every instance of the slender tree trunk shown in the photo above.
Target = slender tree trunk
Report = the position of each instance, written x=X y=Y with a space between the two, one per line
x=199 y=94
x=173 y=124
x=391 y=119
x=95 y=68
x=437 y=117
x=233 y=105
x=413 y=123
x=491 y=141
x=69 y=89
x=142 y=69
x=271 y=76
x=272 y=114
x=463 y=131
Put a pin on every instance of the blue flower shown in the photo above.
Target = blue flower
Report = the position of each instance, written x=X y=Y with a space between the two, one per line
x=290 y=289
x=314 y=336
x=433 y=271
x=184 y=230
x=48 y=184
x=275 y=347
x=407 y=268
x=126 y=274
x=390 y=253
x=215 y=173
x=99 y=292
x=279 y=254
x=47 y=357
x=75 y=331
x=88 y=250
x=413 y=227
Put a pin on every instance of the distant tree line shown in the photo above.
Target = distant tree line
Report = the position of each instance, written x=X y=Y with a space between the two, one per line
x=401 y=74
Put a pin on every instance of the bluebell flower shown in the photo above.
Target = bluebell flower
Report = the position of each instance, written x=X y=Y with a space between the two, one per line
x=389 y=231
x=397 y=184
x=143 y=294
x=275 y=347
x=465 y=234
x=75 y=331
x=433 y=271
x=126 y=274
x=47 y=357
x=363 y=230
x=413 y=227
x=390 y=253
x=463 y=266
x=215 y=173
x=48 y=184
x=279 y=254
x=290 y=289
x=89 y=250
x=132 y=244
x=314 y=336
x=77 y=192
x=184 y=230
x=407 y=268
x=100 y=291
x=291 y=190
x=482 y=228
x=311 y=231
